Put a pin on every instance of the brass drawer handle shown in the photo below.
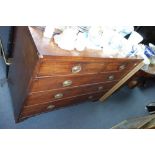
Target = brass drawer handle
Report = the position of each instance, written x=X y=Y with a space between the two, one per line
x=57 y=96
x=67 y=83
x=111 y=77
x=76 y=69
x=100 y=88
x=51 y=107
x=90 y=97
x=121 y=67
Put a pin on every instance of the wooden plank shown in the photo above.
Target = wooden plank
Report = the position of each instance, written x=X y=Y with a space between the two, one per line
x=122 y=81
x=142 y=122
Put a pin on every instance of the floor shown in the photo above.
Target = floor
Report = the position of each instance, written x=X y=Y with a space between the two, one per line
x=123 y=104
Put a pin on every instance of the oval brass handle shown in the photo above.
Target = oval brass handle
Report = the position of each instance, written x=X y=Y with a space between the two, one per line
x=121 y=67
x=67 y=83
x=51 y=107
x=76 y=69
x=100 y=88
x=111 y=77
x=57 y=96
x=90 y=97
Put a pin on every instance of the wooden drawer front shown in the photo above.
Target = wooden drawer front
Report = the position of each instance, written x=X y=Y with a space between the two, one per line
x=48 y=96
x=51 y=68
x=36 y=109
x=49 y=83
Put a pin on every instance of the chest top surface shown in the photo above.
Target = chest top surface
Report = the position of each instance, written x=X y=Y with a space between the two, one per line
x=47 y=47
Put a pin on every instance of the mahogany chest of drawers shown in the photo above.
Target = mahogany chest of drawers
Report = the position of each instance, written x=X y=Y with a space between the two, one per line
x=44 y=77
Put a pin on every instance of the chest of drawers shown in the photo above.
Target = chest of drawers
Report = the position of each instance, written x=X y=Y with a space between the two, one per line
x=44 y=77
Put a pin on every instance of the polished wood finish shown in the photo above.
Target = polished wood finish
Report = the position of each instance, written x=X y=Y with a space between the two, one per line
x=44 y=77
x=36 y=109
x=48 y=83
x=65 y=67
x=48 y=96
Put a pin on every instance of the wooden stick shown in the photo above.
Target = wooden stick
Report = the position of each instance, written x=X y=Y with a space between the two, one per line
x=122 y=81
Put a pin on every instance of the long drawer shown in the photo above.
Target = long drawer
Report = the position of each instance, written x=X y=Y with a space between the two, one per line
x=58 y=82
x=52 y=68
x=48 y=96
x=36 y=109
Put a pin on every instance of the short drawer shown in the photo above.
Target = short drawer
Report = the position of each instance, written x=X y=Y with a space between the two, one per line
x=58 y=82
x=36 y=109
x=52 y=68
x=48 y=96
